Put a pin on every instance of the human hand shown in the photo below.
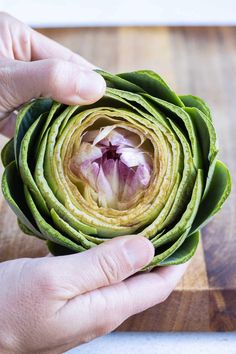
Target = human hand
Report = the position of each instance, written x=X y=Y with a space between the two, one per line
x=32 y=65
x=49 y=305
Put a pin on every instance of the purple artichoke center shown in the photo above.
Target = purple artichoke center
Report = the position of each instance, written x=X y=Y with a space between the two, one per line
x=114 y=163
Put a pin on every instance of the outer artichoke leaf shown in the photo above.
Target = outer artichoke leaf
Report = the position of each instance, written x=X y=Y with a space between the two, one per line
x=153 y=84
x=58 y=250
x=158 y=225
x=207 y=141
x=185 y=124
x=51 y=200
x=7 y=153
x=188 y=180
x=127 y=97
x=26 y=230
x=206 y=135
x=184 y=252
x=74 y=110
x=106 y=101
x=49 y=232
x=117 y=82
x=187 y=217
x=167 y=252
x=12 y=189
x=51 y=141
x=77 y=236
x=216 y=195
x=181 y=196
x=27 y=146
x=197 y=102
x=54 y=112
x=26 y=117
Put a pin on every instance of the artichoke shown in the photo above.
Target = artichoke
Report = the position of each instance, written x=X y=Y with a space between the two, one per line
x=142 y=160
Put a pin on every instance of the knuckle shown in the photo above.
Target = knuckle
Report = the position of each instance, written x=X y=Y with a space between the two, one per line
x=9 y=98
x=109 y=267
x=57 y=73
x=45 y=277
x=55 y=68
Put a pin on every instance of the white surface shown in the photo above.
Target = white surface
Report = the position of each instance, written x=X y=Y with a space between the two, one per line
x=49 y=13
x=160 y=343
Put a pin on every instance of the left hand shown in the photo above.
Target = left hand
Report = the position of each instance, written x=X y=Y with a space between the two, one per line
x=32 y=65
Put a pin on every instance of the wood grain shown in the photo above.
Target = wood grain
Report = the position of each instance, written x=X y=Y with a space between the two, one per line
x=200 y=61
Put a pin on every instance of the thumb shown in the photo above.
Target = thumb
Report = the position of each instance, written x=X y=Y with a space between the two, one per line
x=106 y=264
x=61 y=80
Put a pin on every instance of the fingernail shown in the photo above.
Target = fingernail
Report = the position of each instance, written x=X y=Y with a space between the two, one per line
x=90 y=85
x=139 y=251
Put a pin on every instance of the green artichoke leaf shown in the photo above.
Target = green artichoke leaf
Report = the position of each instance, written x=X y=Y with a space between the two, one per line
x=7 y=153
x=153 y=84
x=51 y=200
x=206 y=137
x=47 y=230
x=12 y=188
x=162 y=254
x=26 y=162
x=184 y=252
x=183 y=192
x=135 y=102
x=183 y=120
x=216 y=195
x=55 y=111
x=57 y=250
x=115 y=81
x=25 y=229
x=186 y=219
x=26 y=117
x=193 y=101
x=63 y=226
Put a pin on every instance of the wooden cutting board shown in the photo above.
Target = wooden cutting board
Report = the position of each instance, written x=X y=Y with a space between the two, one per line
x=200 y=61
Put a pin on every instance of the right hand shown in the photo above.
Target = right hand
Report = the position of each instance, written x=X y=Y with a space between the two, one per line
x=52 y=304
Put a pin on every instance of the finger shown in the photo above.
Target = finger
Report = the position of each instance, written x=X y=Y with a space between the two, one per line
x=140 y=292
x=106 y=264
x=61 y=80
x=109 y=306
x=43 y=47
x=154 y=287
x=23 y=43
